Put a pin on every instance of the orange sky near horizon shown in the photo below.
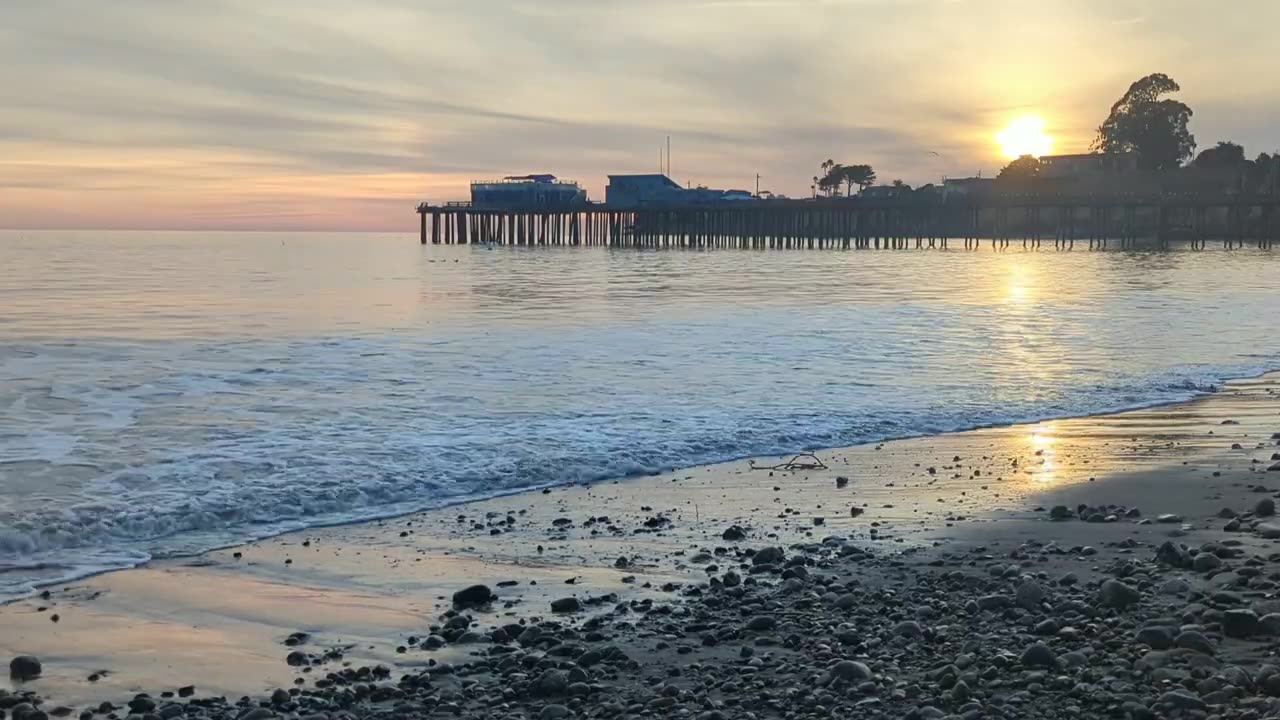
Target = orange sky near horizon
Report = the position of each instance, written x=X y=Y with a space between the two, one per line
x=331 y=115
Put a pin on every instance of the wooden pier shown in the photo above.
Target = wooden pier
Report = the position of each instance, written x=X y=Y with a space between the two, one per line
x=854 y=223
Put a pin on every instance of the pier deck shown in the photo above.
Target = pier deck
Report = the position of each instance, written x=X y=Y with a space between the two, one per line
x=854 y=223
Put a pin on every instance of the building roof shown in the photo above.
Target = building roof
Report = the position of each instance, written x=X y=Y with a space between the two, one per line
x=543 y=178
x=650 y=176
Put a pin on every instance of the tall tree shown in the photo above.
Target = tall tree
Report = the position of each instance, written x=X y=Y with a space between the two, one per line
x=1146 y=122
x=1025 y=167
x=861 y=175
x=1225 y=155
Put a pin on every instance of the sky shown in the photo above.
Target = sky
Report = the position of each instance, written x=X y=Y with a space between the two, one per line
x=343 y=115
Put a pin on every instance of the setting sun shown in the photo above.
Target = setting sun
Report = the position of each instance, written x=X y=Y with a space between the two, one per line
x=1024 y=136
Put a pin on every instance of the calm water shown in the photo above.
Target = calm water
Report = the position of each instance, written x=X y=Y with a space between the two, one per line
x=167 y=392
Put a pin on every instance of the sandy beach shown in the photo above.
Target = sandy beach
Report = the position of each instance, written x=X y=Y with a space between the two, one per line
x=877 y=545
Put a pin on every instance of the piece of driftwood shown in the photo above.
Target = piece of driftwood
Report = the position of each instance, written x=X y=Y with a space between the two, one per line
x=796 y=463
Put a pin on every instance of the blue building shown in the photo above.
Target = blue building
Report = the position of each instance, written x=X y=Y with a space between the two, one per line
x=532 y=192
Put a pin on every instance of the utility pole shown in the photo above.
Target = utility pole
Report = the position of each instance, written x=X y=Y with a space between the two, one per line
x=757 y=186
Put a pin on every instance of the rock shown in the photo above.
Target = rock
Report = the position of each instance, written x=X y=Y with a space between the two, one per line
x=552 y=682
x=841 y=481
x=433 y=642
x=849 y=671
x=1269 y=624
x=1233 y=525
x=1266 y=507
x=1115 y=594
x=1039 y=655
x=280 y=697
x=1270 y=531
x=259 y=713
x=731 y=579
x=734 y=534
x=1170 y=553
x=566 y=605
x=1182 y=699
x=554 y=712
x=141 y=704
x=1156 y=637
x=908 y=628
x=1239 y=623
x=768 y=556
x=174 y=710
x=474 y=595
x=762 y=623
x=1206 y=561
x=1047 y=627
x=1194 y=640
x=1175 y=586
x=1030 y=595
x=1061 y=512
x=25 y=667
x=1168 y=518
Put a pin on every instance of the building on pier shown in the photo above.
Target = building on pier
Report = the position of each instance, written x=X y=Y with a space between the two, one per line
x=658 y=190
x=528 y=192
x=1085 y=164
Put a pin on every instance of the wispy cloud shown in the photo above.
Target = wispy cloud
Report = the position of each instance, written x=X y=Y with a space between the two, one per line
x=327 y=113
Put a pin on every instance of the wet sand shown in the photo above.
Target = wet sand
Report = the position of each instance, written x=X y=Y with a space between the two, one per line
x=219 y=621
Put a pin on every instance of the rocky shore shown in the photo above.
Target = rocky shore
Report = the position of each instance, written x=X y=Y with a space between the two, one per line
x=1139 y=628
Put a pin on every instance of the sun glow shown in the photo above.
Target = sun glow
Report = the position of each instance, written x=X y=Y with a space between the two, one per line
x=1024 y=136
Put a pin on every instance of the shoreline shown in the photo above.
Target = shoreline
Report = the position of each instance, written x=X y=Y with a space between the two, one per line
x=360 y=584
x=1192 y=395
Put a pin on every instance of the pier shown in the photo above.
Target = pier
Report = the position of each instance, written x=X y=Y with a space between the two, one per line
x=857 y=223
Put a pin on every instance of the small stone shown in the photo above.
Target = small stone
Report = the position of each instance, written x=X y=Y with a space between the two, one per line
x=1183 y=700
x=280 y=697
x=1039 y=655
x=762 y=623
x=566 y=605
x=1157 y=637
x=25 y=667
x=1030 y=595
x=1168 y=518
x=850 y=671
x=1269 y=624
x=1047 y=627
x=768 y=556
x=1270 y=531
x=474 y=595
x=1116 y=594
x=733 y=534
x=1194 y=640
x=1061 y=512
x=1232 y=525
x=554 y=712
x=1206 y=561
x=908 y=628
x=1175 y=586
x=1239 y=623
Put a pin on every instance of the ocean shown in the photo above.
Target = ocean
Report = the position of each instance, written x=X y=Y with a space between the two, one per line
x=164 y=393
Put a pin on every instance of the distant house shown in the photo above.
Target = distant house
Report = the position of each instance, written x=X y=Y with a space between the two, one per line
x=646 y=190
x=534 y=192
x=884 y=192
x=1070 y=166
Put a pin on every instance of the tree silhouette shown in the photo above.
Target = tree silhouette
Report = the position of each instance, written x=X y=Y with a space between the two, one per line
x=1225 y=155
x=861 y=175
x=1025 y=167
x=1143 y=121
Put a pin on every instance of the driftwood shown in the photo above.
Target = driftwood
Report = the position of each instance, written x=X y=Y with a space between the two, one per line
x=795 y=463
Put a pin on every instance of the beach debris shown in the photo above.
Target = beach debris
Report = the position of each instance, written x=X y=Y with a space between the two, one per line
x=842 y=481
x=798 y=462
x=855 y=511
x=25 y=667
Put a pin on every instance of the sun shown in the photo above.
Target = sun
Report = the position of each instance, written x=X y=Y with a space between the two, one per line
x=1024 y=136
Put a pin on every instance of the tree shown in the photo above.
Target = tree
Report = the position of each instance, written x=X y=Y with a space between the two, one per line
x=1143 y=121
x=1025 y=167
x=901 y=185
x=861 y=175
x=1225 y=155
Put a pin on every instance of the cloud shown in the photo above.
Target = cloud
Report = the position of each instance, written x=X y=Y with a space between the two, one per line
x=326 y=113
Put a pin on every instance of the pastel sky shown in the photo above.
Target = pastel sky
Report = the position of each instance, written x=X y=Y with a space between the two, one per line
x=343 y=114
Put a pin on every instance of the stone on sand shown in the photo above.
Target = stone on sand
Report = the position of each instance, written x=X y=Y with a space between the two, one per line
x=474 y=595
x=25 y=667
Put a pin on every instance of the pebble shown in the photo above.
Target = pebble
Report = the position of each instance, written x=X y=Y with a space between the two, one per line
x=1039 y=655
x=1116 y=594
x=474 y=595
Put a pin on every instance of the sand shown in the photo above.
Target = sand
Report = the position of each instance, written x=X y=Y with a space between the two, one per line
x=219 y=621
